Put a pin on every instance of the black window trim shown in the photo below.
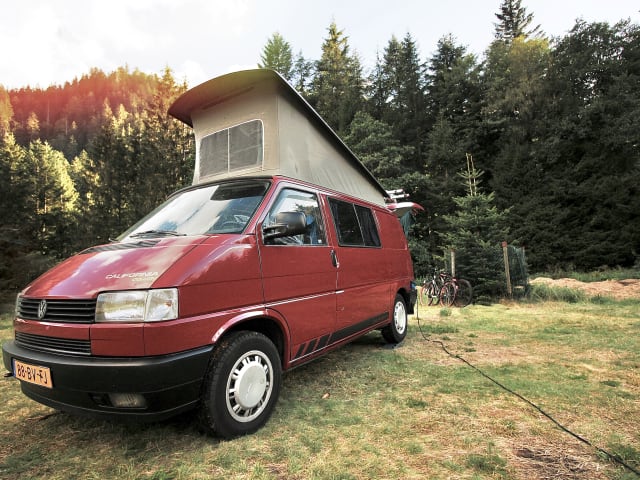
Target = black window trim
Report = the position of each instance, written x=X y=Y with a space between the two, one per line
x=353 y=206
x=298 y=188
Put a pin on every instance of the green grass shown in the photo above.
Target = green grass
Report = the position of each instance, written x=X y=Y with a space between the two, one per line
x=415 y=412
x=595 y=276
x=543 y=293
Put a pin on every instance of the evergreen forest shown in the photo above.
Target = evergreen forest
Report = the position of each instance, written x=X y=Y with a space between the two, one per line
x=536 y=143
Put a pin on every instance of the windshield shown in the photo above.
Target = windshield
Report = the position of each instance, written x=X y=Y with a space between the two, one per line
x=211 y=209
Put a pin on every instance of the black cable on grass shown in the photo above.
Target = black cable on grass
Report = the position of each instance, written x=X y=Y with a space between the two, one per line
x=611 y=456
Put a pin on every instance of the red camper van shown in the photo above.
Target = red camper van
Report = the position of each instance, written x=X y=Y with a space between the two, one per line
x=281 y=250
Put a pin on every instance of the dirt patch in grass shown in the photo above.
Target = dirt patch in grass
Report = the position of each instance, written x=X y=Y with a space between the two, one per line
x=618 y=289
x=536 y=458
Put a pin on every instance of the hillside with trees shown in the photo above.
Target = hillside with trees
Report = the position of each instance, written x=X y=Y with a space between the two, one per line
x=552 y=127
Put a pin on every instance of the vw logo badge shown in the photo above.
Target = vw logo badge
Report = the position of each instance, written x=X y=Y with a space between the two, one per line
x=42 y=309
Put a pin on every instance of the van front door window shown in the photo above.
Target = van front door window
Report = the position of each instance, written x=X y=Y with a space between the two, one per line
x=290 y=200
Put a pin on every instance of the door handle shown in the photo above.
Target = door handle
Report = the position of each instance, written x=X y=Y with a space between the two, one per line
x=334 y=259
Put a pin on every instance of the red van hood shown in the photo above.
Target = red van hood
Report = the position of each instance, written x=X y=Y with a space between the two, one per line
x=116 y=266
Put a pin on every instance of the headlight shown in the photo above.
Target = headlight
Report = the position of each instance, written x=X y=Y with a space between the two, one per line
x=17 y=307
x=137 y=306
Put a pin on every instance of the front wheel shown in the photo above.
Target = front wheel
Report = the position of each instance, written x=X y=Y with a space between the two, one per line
x=397 y=329
x=422 y=295
x=242 y=385
x=432 y=294
x=447 y=294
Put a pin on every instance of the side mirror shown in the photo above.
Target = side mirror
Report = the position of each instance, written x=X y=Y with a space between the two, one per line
x=286 y=224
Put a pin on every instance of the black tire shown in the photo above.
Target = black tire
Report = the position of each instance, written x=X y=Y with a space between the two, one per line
x=447 y=294
x=464 y=295
x=242 y=385
x=397 y=329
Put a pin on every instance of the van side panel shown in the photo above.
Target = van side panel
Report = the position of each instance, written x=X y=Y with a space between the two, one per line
x=300 y=283
x=400 y=267
x=363 y=288
x=369 y=277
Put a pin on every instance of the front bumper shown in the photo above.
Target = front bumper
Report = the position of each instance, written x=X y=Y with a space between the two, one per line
x=170 y=384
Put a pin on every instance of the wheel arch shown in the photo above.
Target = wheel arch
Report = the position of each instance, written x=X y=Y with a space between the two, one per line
x=410 y=297
x=271 y=326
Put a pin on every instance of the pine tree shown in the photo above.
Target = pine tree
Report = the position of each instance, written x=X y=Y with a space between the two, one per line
x=514 y=22
x=453 y=94
x=587 y=152
x=475 y=232
x=397 y=96
x=6 y=112
x=337 y=87
x=165 y=155
x=277 y=56
x=454 y=105
x=21 y=252
x=302 y=75
x=117 y=174
x=372 y=141
x=49 y=197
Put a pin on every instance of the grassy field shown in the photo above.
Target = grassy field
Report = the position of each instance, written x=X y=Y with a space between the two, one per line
x=414 y=412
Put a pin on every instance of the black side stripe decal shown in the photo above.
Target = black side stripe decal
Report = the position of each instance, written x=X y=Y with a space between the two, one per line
x=319 y=343
x=348 y=331
x=310 y=347
x=323 y=341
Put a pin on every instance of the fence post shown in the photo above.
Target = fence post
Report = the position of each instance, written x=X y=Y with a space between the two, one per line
x=453 y=262
x=505 y=255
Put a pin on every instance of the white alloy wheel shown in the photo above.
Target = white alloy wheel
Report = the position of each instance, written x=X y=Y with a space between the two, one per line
x=249 y=386
x=397 y=329
x=400 y=317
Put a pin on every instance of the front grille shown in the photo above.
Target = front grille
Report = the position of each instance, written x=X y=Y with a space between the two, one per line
x=53 y=344
x=58 y=311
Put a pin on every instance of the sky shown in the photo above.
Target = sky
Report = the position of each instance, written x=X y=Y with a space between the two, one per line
x=50 y=42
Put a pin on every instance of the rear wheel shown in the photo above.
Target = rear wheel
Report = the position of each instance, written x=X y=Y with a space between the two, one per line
x=397 y=329
x=242 y=385
x=464 y=295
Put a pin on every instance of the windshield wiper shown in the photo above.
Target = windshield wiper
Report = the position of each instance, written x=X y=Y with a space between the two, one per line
x=159 y=233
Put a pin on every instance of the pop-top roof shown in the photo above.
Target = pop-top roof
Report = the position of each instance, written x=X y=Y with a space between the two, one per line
x=253 y=122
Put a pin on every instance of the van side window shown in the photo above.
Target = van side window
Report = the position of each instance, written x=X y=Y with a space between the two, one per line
x=232 y=149
x=290 y=200
x=368 y=226
x=355 y=224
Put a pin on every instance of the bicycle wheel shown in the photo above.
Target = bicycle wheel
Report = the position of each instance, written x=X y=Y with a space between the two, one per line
x=448 y=294
x=423 y=298
x=432 y=294
x=464 y=295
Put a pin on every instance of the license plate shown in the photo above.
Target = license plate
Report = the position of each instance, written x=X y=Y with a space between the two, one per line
x=32 y=374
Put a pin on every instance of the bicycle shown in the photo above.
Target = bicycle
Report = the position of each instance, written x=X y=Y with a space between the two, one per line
x=443 y=288
x=432 y=288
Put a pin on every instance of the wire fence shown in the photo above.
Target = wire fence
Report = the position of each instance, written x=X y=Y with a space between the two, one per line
x=517 y=268
x=504 y=270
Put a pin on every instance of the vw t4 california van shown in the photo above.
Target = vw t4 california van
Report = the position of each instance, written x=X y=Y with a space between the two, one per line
x=282 y=250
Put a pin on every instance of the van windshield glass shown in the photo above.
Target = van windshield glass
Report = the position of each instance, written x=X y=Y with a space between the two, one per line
x=211 y=209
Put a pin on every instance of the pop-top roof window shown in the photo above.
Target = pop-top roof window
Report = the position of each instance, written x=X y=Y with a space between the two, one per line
x=232 y=149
